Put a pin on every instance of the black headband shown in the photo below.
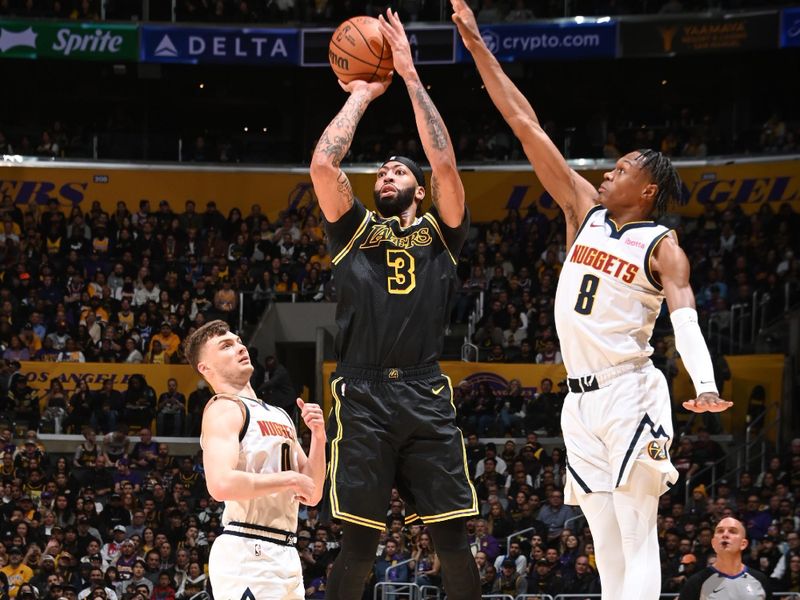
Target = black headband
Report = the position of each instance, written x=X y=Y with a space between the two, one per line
x=412 y=166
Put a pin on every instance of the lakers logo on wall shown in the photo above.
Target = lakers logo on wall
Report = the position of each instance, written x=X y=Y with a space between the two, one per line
x=656 y=451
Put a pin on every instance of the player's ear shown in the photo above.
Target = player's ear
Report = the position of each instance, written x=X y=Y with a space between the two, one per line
x=419 y=195
x=202 y=368
x=649 y=192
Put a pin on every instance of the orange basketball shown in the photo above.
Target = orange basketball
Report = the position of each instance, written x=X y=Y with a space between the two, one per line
x=358 y=51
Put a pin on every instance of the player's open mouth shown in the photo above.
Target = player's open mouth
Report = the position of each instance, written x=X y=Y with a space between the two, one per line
x=601 y=189
x=388 y=189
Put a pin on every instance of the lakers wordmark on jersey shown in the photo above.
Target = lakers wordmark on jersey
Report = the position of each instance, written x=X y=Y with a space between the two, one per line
x=608 y=299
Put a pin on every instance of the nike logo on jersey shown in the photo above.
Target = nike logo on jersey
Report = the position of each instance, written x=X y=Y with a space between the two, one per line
x=705 y=382
x=437 y=390
x=718 y=590
x=605 y=262
x=596 y=225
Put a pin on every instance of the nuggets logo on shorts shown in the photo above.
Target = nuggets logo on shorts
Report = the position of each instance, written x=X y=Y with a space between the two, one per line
x=656 y=451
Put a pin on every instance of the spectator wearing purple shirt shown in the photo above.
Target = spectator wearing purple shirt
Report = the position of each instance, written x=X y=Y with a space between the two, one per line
x=484 y=542
x=143 y=455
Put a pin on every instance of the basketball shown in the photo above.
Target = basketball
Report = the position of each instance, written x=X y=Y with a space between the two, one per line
x=358 y=51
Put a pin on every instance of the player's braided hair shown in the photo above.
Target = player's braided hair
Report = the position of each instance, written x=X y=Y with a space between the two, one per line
x=664 y=176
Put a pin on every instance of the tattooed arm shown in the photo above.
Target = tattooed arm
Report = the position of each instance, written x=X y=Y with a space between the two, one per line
x=447 y=191
x=333 y=190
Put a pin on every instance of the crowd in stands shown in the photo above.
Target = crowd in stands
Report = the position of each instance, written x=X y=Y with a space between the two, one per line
x=132 y=521
x=679 y=133
x=515 y=263
x=128 y=287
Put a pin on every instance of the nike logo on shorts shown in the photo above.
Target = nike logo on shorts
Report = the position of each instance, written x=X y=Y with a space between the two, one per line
x=437 y=390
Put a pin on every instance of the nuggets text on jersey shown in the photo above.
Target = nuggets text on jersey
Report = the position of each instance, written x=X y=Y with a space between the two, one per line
x=605 y=262
x=272 y=428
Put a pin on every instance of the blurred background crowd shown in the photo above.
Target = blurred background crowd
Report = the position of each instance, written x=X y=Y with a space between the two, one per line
x=124 y=519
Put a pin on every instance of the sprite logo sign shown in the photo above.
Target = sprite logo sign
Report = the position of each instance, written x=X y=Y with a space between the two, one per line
x=81 y=41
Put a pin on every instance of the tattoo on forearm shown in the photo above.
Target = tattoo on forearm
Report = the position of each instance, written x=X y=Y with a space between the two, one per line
x=435 y=191
x=343 y=188
x=336 y=139
x=437 y=132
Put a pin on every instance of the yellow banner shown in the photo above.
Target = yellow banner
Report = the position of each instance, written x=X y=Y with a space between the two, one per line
x=747 y=372
x=40 y=374
x=490 y=193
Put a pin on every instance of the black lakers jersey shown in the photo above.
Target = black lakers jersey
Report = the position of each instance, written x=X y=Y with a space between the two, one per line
x=394 y=285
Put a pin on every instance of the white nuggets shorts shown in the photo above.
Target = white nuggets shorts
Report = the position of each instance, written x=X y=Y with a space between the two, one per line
x=607 y=430
x=247 y=569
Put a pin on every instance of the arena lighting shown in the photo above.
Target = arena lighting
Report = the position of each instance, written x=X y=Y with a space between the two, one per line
x=579 y=20
x=663 y=82
x=604 y=20
x=264 y=129
x=245 y=129
x=202 y=86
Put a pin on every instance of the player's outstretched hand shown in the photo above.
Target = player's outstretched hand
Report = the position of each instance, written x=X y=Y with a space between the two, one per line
x=464 y=19
x=373 y=89
x=707 y=402
x=312 y=417
x=394 y=33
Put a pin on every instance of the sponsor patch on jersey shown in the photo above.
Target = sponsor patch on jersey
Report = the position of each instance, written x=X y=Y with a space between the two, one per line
x=656 y=451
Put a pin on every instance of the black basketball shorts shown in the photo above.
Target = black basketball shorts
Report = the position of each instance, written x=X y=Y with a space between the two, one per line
x=396 y=427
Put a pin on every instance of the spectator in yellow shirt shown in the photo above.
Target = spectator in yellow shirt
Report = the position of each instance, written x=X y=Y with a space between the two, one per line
x=16 y=572
x=94 y=307
x=169 y=341
x=322 y=257
x=29 y=338
x=157 y=355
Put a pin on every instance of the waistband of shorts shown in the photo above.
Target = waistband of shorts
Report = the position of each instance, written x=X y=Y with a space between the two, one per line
x=263 y=533
x=595 y=381
x=391 y=374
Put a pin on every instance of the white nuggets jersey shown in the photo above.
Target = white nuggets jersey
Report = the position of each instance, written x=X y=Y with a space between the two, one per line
x=607 y=299
x=267 y=444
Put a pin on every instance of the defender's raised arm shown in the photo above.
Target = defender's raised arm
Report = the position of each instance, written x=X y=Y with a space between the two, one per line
x=573 y=193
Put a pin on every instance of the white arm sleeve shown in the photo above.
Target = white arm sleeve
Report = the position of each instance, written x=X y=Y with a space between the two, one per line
x=692 y=347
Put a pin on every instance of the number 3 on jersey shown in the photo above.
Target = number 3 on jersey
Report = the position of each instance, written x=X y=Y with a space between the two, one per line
x=401 y=279
x=586 y=294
